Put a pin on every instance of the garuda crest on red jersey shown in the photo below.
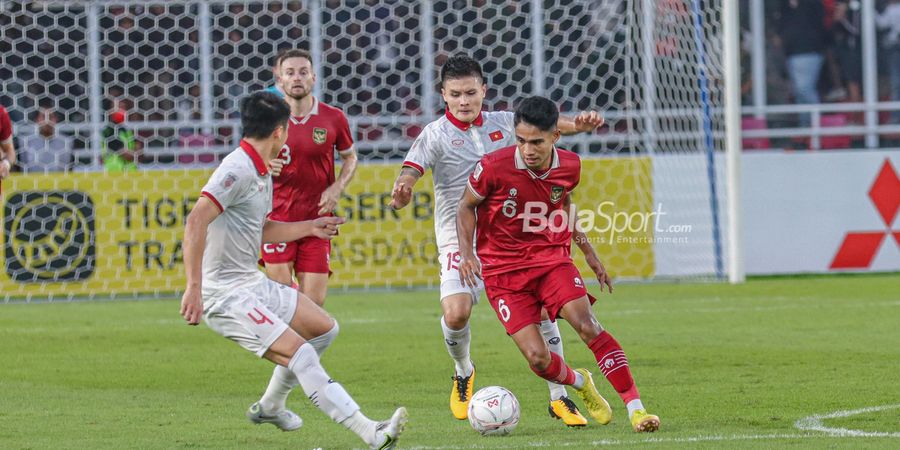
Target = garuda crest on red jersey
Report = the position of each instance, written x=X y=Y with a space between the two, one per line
x=319 y=135
x=556 y=193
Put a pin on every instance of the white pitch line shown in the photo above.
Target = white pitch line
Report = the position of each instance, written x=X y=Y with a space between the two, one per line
x=649 y=440
x=815 y=423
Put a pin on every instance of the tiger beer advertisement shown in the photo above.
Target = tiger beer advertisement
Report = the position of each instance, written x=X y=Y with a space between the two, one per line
x=102 y=234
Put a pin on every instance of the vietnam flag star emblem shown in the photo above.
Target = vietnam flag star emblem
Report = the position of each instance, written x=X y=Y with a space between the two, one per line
x=496 y=136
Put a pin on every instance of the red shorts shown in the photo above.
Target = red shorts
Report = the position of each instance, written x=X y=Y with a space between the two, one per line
x=517 y=297
x=309 y=255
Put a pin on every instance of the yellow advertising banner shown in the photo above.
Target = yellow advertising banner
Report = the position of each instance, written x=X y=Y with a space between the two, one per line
x=109 y=235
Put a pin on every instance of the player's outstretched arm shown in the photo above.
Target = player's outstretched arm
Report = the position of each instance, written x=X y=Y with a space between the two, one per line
x=469 y=266
x=332 y=194
x=590 y=255
x=401 y=194
x=204 y=212
x=584 y=122
x=322 y=228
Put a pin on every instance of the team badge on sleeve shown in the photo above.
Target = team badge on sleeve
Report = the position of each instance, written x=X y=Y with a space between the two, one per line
x=229 y=180
x=556 y=193
x=478 y=169
x=319 y=135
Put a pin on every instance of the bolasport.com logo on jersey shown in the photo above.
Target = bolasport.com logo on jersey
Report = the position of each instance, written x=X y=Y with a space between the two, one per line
x=49 y=236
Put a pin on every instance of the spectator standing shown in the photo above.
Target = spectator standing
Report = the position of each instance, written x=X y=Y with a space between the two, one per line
x=120 y=152
x=46 y=151
x=848 y=48
x=802 y=31
x=889 y=20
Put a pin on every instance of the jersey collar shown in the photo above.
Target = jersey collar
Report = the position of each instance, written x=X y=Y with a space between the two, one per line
x=254 y=156
x=312 y=112
x=479 y=121
x=520 y=164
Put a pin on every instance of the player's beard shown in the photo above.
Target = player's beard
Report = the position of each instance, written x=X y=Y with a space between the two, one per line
x=301 y=96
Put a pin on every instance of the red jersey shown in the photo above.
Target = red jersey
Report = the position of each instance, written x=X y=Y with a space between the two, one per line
x=509 y=235
x=5 y=125
x=309 y=162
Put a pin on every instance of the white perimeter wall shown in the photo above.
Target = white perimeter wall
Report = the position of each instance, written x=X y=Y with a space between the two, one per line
x=796 y=210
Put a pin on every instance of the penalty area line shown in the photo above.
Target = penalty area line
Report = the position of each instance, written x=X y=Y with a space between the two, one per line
x=816 y=423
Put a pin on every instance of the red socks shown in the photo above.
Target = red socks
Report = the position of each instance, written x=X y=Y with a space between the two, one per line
x=612 y=362
x=558 y=371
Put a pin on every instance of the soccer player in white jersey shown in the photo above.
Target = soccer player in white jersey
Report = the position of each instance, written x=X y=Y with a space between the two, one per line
x=450 y=147
x=222 y=238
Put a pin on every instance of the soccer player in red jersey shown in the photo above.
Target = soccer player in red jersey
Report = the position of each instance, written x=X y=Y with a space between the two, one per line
x=521 y=197
x=307 y=188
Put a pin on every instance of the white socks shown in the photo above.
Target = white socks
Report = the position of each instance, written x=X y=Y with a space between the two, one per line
x=633 y=406
x=457 y=342
x=329 y=396
x=283 y=380
x=280 y=385
x=579 y=381
x=321 y=342
x=550 y=331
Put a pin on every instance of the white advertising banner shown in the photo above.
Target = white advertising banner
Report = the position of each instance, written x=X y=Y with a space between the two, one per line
x=821 y=211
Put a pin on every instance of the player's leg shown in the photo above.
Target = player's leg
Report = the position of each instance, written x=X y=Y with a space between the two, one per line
x=314 y=286
x=456 y=310
x=560 y=407
x=611 y=360
x=456 y=307
x=292 y=351
x=314 y=325
x=278 y=259
x=312 y=266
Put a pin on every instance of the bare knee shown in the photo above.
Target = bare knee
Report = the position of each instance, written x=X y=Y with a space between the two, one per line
x=280 y=273
x=538 y=357
x=457 y=309
x=587 y=329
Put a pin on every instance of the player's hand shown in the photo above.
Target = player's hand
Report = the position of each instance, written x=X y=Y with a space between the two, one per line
x=191 y=306
x=329 y=199
x=600 y=271
x=469 y=271
x=326 y=227
x=587 y=121
x=4 y=169
x=275 y=166
x=400 y=195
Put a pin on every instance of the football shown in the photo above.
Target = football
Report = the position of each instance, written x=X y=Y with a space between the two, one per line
x=494 y=411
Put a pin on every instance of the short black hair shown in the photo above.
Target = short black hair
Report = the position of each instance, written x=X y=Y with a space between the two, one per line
x=538 y=111
x=293 y=53
x=261 y=113
x=461 y=66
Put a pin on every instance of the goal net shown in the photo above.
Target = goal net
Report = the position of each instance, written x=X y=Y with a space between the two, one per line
x=161 y=80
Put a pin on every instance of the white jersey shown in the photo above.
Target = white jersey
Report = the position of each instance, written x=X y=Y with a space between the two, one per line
x=451 y=148
x=241 y=188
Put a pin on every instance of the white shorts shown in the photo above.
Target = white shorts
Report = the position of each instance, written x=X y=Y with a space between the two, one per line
x=253 y=316
x=450 y=282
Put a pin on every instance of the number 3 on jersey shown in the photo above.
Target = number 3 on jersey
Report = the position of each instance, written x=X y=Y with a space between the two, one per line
x=285 y=154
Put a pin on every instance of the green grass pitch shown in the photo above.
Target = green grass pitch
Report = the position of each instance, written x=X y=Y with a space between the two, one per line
x=723 y=366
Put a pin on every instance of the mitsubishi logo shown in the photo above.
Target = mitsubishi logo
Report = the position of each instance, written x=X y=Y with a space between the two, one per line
x=860 y=247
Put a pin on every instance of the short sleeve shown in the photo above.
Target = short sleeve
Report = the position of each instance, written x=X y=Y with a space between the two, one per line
x=481 y=179
x=421 y=155
x=507 y=119
x=224 y=187
x=344 y=138
x=5 y=126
